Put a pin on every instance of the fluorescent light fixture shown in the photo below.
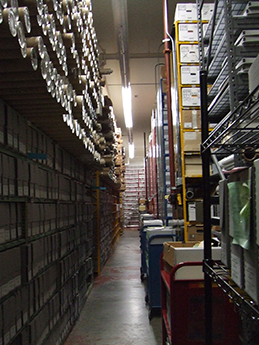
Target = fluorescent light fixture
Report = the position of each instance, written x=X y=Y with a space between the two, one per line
x=131 y=150
x=127 y=106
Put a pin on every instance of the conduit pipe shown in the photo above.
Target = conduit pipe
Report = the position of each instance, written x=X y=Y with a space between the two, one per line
x=167 y=53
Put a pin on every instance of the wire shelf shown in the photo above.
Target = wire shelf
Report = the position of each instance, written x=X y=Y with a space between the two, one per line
x=238 y=130
x=221 y=276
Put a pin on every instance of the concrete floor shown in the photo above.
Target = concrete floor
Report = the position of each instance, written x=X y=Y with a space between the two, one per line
x=115 y=312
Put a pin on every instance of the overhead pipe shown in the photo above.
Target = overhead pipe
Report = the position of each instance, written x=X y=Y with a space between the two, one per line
x=167 y=54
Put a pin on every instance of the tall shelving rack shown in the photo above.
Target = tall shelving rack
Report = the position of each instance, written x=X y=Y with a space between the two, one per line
x=190 y=181
x=230 y=104
x=106 y=218
x=46 y=237
x=53 y=139
x=134 y=190
x=162 y=154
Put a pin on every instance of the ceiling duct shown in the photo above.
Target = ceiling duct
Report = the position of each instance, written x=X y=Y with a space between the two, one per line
x=120 y=15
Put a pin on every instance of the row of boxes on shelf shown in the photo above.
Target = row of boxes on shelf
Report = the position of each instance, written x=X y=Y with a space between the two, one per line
x=22 y=178
x=21 y=264
x=17 y=134
x=188 y=11
x=38 y=306
x=19 y=220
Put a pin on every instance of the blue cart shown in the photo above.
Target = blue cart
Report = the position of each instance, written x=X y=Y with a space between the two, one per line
x=155 y=223
x=154 y=250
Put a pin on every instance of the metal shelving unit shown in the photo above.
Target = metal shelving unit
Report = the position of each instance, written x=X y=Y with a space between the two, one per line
x=163 y=168
x=235 y=133
x=189 y=149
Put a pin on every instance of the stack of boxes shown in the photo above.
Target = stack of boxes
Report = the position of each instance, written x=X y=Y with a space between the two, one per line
x=135 y=189
x=45 y=245
x=46 y=207
x=120 y=159
x=190 y=116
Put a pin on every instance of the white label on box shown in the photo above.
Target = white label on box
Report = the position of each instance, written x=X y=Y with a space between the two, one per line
x=188 y=32
x=189 y=53
x=187 y=124
x=190 y=97
x=192 y=212
x=251 y=284
x=236 y=270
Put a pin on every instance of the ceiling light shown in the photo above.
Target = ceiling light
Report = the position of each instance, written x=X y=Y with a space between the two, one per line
x=131 y=150
x=127 y=106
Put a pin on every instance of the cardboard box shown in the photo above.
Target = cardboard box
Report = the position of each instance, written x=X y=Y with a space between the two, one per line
x=207 y=11
x=189 y=53
x=195 y=211
x=10 y=274
x=9 y=324
x=224 y=223
x=192 y=141
x=253 y=74
x=191 y=97
x=237 y=265
x=191 y=119
x=176 y=252
x=187 y=32
x=195 y=232
x=142 y=208
x=251 y=272
x=185 y=12
x=22 y=135
x=190 y=75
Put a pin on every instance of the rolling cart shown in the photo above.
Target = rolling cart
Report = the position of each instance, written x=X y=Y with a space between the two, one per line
x=183 y=310
x=154 y=249
x=151 y=223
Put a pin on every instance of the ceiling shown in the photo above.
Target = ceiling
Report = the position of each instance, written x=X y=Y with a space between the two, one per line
x=145 y=36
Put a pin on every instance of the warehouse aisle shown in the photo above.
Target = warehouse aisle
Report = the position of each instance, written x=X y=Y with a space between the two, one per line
x=115 y=312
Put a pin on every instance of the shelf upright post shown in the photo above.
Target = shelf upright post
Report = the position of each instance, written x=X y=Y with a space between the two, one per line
x=205 y=155
x=231 y=55
x=146 y=170
x=167 y=53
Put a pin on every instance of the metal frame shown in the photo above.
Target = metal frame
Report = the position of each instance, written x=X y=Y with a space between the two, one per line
x=237 y=131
